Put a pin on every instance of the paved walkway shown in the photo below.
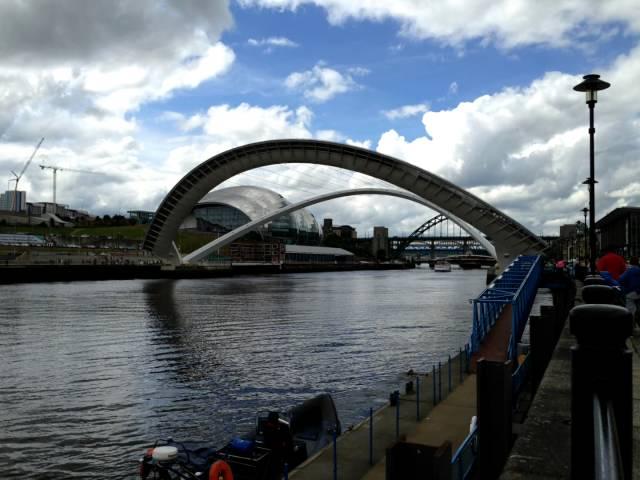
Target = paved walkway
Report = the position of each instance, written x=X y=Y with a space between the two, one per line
x=543 y=448
x=449 y=420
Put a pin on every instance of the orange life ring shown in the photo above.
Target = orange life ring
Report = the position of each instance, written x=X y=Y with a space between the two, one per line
x=220 y=470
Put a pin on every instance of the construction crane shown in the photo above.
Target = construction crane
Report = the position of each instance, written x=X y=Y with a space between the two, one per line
x=55 y=173
x=14 y=200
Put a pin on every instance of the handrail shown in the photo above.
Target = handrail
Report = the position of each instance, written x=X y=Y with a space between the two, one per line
x=606 y=443
x=601 y=392
x=469 y=445
x=522 y=303
x=516 y=286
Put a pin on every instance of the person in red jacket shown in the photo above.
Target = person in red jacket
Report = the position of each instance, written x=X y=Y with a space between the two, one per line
x=611 y=262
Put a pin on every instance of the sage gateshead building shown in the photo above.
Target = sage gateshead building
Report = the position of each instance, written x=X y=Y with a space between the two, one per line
x=221 y=211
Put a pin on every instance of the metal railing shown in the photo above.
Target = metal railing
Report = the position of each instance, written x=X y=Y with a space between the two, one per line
x=601 y=392
x=517 y=287
x=388 y=424
x=464 y=459
x=606 y=443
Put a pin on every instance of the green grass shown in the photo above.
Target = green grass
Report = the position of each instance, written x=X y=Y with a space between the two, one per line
x=187 y=241
x=130 y=232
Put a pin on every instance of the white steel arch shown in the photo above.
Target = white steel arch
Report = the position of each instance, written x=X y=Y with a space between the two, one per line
x=508 y=236
x=210 y=247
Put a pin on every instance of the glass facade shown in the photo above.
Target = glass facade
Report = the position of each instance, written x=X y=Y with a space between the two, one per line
x=228 y=218
x=228 y=208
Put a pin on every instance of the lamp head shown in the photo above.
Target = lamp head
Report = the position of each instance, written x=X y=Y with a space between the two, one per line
x=590 y=85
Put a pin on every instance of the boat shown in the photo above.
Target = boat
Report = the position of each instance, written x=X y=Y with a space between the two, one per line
x=442 y=266
x=278 y=441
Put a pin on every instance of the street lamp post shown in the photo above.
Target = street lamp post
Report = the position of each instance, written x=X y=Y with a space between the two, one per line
x=590 y=85
x=585 y=210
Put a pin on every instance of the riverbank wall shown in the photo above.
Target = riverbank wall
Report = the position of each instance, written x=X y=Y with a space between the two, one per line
x=68 y=273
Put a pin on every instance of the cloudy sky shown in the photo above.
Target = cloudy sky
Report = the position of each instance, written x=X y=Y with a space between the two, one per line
x=478 y=92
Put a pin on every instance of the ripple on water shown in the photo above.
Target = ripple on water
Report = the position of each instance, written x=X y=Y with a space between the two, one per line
x=96 y=371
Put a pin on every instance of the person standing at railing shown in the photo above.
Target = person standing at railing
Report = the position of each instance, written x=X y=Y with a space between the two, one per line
x=611 y=262
x=630 y=282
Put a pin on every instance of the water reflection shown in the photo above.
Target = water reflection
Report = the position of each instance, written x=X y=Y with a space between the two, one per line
x=178 y=346
x=96 y=371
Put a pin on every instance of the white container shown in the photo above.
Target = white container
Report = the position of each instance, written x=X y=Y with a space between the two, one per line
x=164 y=454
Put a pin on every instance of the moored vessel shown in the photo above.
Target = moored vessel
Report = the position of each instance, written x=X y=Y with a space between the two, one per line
x=278 y=439
x=442 y=266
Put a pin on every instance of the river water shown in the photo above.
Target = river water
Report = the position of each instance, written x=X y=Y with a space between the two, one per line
x=91 y=373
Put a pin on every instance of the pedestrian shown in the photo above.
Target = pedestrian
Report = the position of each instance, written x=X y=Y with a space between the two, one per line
x=630 y=282
x=561 y=264
x=611 y=262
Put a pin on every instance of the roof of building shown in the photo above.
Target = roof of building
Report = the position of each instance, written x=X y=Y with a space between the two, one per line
x=616 y=214
x=312 y=250
x=256 y=202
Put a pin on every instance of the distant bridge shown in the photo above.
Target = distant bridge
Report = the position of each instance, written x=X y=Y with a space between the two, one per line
x=437 y=236
x=464 y=261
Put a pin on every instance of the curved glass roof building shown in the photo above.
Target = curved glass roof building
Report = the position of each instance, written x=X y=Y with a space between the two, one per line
x=226 y=209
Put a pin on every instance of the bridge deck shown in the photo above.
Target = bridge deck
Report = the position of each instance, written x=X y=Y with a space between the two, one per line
x=495 y=346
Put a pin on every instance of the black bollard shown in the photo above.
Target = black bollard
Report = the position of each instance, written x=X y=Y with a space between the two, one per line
x=601 y=294
x=594 y=280
x=600 y=368
x=494 y=416
x=543 y=341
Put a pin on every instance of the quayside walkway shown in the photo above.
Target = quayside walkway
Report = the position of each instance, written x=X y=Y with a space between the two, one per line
x=543 y=447
x=448 y=422
x=360 y=452
x=438 y=406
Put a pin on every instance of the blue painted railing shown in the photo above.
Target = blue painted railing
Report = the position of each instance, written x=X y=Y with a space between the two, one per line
x=517 y=287
x=465 y=457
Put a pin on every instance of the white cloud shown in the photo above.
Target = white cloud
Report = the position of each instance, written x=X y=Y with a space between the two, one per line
x=77 y=73
x=125 y=33
x=225 y=127
x=158 y=81
x=246 y=123
x=321 y=83
x=525 y=150
x=507 y=23
x=185 y=124
x=359 y=71
x=453 y=87
x=362 y=143
x=80 y=73
x=406 y=111
x=272 y=42
x=335 y=136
